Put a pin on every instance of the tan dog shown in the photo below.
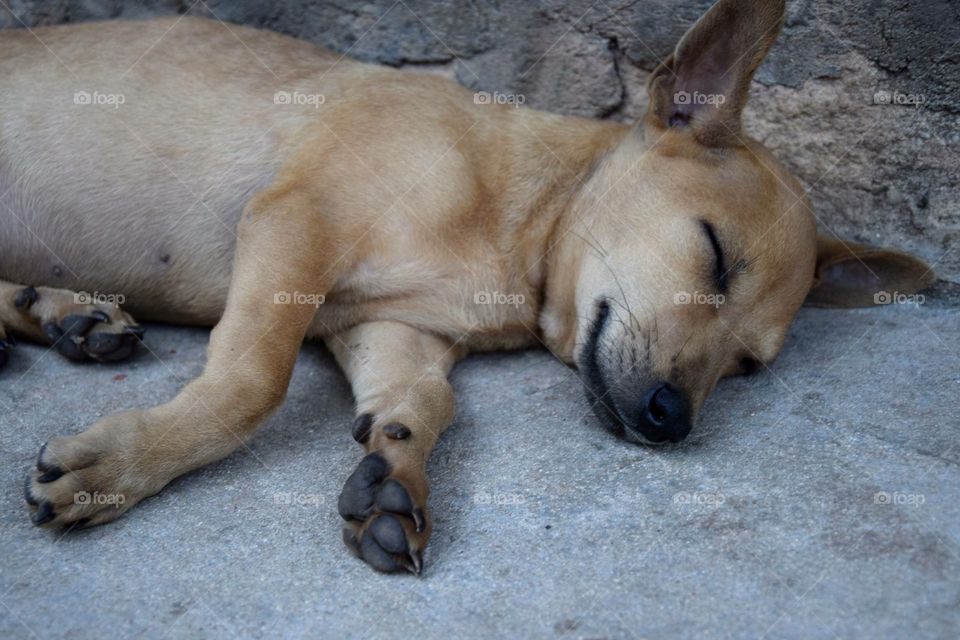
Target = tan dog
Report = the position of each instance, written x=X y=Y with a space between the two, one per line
x=300 y=194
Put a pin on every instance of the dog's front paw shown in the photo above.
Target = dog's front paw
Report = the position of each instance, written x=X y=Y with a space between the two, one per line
x=385 y=508
x=93 y=477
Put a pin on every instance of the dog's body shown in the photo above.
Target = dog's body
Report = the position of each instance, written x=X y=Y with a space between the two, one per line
x=395 y=218
x=469 y=206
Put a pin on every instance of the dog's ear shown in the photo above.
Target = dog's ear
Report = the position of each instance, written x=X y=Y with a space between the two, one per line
x=853 y=275
x=703 y=85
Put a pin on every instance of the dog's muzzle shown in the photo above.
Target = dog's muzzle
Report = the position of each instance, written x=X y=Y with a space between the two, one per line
x=661 y=414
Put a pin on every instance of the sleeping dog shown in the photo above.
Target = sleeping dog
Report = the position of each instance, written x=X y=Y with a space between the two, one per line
x=216 y=175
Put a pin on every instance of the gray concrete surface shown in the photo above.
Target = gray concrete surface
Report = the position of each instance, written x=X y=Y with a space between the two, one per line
x=817 y=500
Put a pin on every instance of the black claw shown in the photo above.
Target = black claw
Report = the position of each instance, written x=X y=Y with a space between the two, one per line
x=396 y=431
x=53 y=474
x=41 y=465
x=389 y=534
x=28 y=495
x=361 y=427
x=100 y=316
x=357 y=495
x=25 y=298
x=418 y=519
x=416 y=558
x=44 y=514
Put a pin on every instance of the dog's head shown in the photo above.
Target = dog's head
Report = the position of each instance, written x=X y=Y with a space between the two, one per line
x=695 y=247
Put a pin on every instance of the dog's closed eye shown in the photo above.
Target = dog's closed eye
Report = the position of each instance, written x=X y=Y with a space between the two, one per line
x=721 y=275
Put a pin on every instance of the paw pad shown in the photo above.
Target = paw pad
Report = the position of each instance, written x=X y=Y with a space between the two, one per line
x=362 y=427
x=387 y=528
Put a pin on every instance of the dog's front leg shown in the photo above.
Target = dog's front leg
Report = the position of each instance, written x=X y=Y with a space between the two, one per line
x=283 y=247
x=404 y=402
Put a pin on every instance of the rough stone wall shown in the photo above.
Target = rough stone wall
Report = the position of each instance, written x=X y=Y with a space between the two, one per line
x=835 y=100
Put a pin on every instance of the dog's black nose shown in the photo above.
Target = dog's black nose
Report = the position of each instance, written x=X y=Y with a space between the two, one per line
x=665 y=415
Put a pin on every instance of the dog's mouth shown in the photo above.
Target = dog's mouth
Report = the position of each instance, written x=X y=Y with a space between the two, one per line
x=663 y=414
x=598 y=392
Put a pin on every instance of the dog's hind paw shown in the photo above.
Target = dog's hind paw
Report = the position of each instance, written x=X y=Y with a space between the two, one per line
x=79 y=325
x=387 y=522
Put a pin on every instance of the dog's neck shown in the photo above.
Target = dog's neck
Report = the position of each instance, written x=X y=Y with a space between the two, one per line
x=553 y=159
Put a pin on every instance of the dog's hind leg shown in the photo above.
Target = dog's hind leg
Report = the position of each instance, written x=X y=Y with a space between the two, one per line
x=283 y=245
x=404 y=402
x=80 y=326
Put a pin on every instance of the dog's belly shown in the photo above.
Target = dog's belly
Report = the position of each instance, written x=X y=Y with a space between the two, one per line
x=134 y=188
x=162 y=271
x=164 y=245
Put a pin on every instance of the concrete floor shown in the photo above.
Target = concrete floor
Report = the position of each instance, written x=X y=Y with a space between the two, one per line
x=821 y=499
